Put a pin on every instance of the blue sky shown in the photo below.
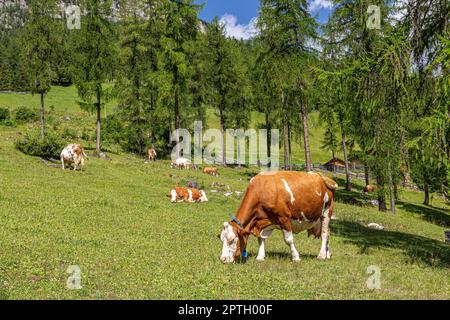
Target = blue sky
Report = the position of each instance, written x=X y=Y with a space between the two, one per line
x=239 y=15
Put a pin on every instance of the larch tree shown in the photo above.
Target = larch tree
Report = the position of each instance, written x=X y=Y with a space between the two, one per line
x=41 y=41
x=94 y=58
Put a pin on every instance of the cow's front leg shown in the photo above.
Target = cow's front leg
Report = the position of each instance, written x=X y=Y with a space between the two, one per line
x=261 y=252
x=62 y=163
x=262 y=239
x=324 y=250
x=289 y=239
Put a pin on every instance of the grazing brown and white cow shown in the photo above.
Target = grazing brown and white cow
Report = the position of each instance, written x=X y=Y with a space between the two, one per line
x=179 y=194
x=152 y=154
x=73 y=153
x=211 y=171
x=370 y=188
x=290 y=201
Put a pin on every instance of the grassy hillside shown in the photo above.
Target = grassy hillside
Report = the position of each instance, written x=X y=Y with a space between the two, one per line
x=115 y=222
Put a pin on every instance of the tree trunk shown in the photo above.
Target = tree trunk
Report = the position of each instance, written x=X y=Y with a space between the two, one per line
x=306 y=136
x=98 y=147
x=177 y=121
x=283 y=106
x=426 y=190
x=42 y=117
x=269 y=137
x=222 y=130
x=381 y=198
x=289 y=144
x=344 y=147
x=391 y=189
x=366 y=174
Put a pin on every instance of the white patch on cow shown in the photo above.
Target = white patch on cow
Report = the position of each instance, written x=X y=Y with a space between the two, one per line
x=190 y=197
x=319 y=194
x=173 y=195
x=252 y=179
x=288 y=189
x=268 y=173
x=203 y=197
x=304 y=217
x=229 y=243
x=311 y=172
x=267 y=232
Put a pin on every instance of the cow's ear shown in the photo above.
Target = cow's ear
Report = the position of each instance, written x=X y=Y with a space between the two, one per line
x=225 y=224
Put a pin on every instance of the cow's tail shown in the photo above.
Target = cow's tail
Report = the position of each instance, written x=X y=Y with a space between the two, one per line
x=331 y=184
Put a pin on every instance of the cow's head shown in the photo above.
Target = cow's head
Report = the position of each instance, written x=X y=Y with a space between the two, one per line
x=234 y=242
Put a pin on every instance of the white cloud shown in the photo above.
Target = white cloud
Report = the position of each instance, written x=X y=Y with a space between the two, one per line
x=316 y=5
x=238 y=31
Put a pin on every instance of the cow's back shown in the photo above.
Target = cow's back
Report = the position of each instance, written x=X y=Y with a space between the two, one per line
x=300 y=193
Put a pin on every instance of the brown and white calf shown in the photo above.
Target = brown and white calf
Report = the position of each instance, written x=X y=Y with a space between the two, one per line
x=178 y=194
x=211 y=171
x=290 y=201
x=152 y=154
x=73 y=153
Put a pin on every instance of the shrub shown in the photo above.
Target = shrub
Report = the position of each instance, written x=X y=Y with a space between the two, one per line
x=24 y=114
x=32 y=145
x=85 y=135
x=69 y=134
x=4 y=114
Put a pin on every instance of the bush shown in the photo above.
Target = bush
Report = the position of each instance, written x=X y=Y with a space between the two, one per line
x=24 y=114
x=50 y=147
x=4 y=114
x=69 y=134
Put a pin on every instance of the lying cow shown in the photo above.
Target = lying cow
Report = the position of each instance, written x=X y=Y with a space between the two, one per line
x=290 y=201
x=211 y=171
x=178 y=194
x=181 y=163
x=152 y=154
x=73 y=153
x=370 y=188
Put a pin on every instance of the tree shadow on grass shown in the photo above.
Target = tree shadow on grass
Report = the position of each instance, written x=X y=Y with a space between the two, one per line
x=434 y=215
x=418 y=249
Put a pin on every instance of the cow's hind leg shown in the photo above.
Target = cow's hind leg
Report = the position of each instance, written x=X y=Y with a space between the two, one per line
x=324 y=250
x=62 y=163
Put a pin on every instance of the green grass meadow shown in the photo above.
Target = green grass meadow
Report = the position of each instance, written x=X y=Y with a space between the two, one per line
x=115 y=222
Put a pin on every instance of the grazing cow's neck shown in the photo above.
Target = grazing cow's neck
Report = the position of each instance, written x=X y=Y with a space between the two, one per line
x=246 y=210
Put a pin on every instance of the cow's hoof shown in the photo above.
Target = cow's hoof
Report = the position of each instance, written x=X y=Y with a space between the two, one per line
x=322 y=256
x=260 y=259
x=297 y=259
